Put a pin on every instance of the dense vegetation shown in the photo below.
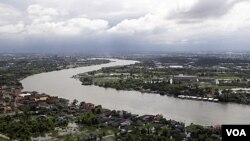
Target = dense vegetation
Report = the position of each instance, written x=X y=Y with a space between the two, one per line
x=153 y=75
x=243 y=98
x=24 y=126
x=13 y=68
x=199 y=133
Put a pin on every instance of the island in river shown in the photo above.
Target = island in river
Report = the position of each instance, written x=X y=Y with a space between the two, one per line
x=223 y=83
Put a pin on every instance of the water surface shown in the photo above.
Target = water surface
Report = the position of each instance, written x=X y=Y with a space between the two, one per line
x=60 y=83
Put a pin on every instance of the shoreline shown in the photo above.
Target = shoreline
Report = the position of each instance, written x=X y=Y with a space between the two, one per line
x=184 y=97
x=171 y=115
x=120 y=121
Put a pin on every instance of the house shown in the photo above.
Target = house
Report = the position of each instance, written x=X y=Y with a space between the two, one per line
x=125 y=123
x=24 y=94
x=41 y=98
x=176 y=67
x=114 y=123
x=147 y=118
x=61 y=118
x=90 y=138
x=88 y=106
x=43 y=104
x=225 y=81
x=102 y=118
x=53 y=100
x=138 y=123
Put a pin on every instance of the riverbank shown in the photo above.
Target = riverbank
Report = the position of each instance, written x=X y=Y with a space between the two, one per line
x=61 y=84
x=148 y=78
x=54 y=118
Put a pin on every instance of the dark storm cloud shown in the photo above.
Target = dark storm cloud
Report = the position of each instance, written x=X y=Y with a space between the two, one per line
x=203 y=9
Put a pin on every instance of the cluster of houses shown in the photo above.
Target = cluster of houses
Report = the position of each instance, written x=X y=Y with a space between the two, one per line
x=123 y=120
x=177 y=79
x=11 y=99
x=188 y=79
x=193 y=79
x=8 y=94
x=33 y=99
x=121 y=75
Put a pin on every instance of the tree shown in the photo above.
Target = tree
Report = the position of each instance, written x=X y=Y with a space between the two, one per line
x=144 y=131
x=74 y=102
x=166 y=132
x=81 y=104
x=6 y=99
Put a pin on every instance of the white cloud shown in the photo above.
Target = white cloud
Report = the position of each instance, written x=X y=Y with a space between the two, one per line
x=102 y=8
x=12 y=28
x=8 y=14
x=10 y=20
x=38 y=13
x=39 y=10
x=155 y=21
x=74 y=26
x=238 y=18
x=48 y=21
x=143 y=24
x=174 y=31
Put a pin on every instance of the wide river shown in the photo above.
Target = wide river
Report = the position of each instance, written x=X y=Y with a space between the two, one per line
x=60 y=83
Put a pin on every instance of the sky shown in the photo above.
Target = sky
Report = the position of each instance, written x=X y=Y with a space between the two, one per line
x=124 y=25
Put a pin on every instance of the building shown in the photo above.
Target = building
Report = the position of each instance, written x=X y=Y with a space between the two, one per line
x=176 y=67
x=88 y=106
x=183 y=79
x=41 y=98
x=206 y=80
x=193 y=79
x=53 y=100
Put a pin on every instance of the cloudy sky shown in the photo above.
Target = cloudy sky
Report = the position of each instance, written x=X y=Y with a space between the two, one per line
x=124 y=25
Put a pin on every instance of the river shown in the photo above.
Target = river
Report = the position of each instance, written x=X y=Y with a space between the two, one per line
x=60 y=83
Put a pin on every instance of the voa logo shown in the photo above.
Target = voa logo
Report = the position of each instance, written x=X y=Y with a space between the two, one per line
x=236 y=132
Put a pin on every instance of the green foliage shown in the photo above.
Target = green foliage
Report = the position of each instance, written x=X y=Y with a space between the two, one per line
x=24 y=128
x=146 y=133
x=198 y=132
x=87 y=119
x=243 y=98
